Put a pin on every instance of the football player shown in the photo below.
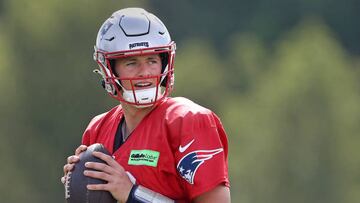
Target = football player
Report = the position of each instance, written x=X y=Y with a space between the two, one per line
x=163 y=149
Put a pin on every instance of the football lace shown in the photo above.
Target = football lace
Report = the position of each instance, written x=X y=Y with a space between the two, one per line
x=67 y=185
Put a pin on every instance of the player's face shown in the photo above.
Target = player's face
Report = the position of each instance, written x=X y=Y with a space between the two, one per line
x=140 y=67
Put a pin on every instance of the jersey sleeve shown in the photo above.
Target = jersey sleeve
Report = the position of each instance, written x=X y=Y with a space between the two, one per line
x=201 y=158
x=90 y=133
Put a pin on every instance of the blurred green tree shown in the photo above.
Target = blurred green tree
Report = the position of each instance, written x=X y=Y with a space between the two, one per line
x=290 y=108
x=16 y=184
x=199 y=73
x=296 y=132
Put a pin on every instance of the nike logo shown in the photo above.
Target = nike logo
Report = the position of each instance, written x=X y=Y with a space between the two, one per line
x=110 y=39
x=183 y=149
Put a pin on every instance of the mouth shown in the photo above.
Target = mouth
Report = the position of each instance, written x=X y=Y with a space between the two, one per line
x=142 y=85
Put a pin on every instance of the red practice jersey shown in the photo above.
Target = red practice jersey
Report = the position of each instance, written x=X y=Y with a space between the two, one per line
x=179 y=149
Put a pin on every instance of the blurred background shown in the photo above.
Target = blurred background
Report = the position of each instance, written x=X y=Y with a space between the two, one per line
x=282 y=75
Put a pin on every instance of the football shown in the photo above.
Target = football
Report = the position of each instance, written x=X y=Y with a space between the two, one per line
x=76 y=181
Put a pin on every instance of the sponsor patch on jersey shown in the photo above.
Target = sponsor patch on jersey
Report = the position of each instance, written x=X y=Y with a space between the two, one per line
x=189 y=164
x=144 y=157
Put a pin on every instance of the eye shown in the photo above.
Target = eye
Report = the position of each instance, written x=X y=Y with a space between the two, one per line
x=152 y=62
x=130 y=63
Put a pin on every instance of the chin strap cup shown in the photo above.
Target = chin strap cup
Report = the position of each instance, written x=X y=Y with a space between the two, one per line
x=143 y=96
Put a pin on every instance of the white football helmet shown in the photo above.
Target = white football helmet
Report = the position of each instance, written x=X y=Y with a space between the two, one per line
x=134 y=32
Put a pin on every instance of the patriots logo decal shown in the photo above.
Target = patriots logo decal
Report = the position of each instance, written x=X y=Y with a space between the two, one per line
x=105 y=28
x=189 y=164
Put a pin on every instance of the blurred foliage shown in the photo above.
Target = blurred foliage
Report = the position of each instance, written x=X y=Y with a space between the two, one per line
x=282 y=75
x=298 y=127
x=218 y=20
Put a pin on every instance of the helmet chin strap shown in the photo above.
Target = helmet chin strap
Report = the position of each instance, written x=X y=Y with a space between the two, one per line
x=142 y=96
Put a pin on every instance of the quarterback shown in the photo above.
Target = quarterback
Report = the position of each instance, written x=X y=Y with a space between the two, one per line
x=163 y=149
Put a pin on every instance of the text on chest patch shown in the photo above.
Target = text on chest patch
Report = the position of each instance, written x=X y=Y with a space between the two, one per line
x=144 y=157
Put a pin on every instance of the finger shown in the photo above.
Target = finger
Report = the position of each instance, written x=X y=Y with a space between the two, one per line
x=73 y=159
x=98 y=175
x=80 y=149
x=100 y=167
x=62 y=179
x=68 y=168
x=108 y=159
x=98 y=187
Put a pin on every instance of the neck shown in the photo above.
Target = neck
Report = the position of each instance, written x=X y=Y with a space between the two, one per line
x=133 y=116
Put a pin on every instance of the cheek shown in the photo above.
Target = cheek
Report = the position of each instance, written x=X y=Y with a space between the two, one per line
x=119 y=71
x=156 y=70
x=126 y=84
x=122 y=72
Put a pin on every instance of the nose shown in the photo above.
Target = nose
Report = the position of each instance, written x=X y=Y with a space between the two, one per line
x=144 y=70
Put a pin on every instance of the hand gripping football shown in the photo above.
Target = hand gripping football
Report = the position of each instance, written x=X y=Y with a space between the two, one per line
x=76 y=181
